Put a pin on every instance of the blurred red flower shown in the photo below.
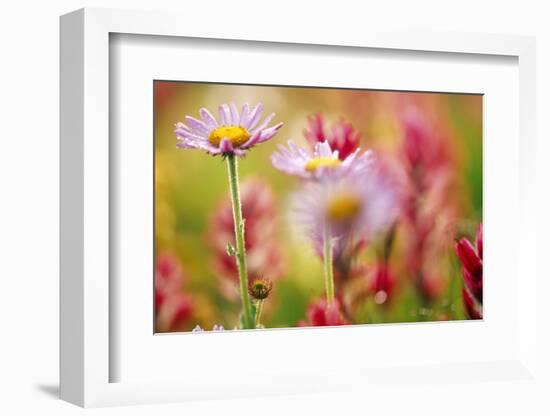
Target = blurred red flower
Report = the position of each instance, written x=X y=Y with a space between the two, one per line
x=381 y=283
x=426 y=202
x=472 y=272
x=341 y=136
x=172 y=306
x=320 y=313
x=263 y=254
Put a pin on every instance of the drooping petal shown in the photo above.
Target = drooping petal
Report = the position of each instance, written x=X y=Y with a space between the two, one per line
x=267 y=134
x=264 y=123
x=226 y=146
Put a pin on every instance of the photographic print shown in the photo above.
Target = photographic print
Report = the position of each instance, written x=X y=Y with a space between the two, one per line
x=285 y=207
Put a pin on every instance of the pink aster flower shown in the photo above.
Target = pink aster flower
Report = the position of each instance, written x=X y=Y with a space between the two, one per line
x=341 y=136
x=359 y=206
x=233 y=133
x=323 y=162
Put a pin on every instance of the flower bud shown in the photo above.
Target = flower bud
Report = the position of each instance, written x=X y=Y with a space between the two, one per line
x=259 y=288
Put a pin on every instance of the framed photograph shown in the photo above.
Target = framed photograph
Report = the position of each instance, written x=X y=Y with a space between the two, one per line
x=318 y=214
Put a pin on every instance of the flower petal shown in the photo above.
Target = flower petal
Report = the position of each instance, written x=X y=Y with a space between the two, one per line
x=269 y=133
x=224 y=114
x=180 y=125
x=197 y=125
x=190 y=135
x=208 y=118
x=264 y=124
x=226 y=146
x=289 y=161
x=351 y=157
x=254 y=116
x=323 y=149
x=299 y=151
x=253 y=140
x=235 y=119
x=184 y=143
x=245 y=112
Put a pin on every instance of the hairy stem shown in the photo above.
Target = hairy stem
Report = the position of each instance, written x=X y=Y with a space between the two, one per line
x=240 y=254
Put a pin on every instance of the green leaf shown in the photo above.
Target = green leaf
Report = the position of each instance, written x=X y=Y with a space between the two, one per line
x=230 y=250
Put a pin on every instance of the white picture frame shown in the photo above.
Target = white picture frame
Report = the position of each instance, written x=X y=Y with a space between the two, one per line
x=86 y=355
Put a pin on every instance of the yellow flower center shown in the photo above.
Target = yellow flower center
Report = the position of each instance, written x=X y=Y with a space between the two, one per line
x=343 y=207
x=237 y=135
x=321 y=162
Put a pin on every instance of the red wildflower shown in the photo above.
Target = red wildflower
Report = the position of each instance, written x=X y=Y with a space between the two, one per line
x=341 y=136
x=320 y=313
x=381 y=283
x=175 y=310
x=172 y=306
x=472 y=273
x=426 y=203
x=469 y=257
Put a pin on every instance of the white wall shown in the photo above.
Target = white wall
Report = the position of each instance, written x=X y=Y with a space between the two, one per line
x=29 y=205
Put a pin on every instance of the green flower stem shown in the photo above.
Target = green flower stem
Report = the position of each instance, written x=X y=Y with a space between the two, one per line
x=328 y=263
x=240 y=254
x=258 y=312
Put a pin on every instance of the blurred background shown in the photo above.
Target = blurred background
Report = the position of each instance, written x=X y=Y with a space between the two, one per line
x=431 y=144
